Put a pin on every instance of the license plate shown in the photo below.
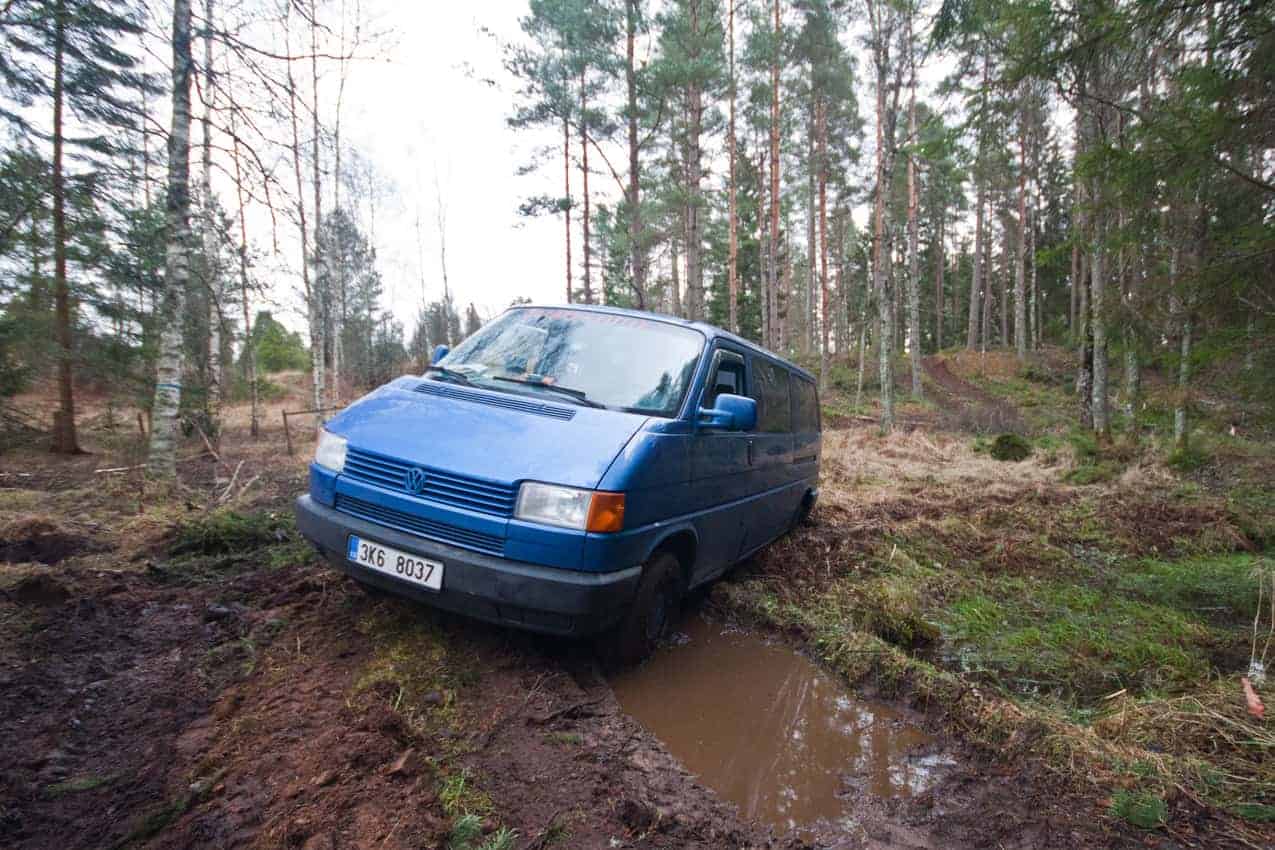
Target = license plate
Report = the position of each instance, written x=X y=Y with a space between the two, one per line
x=409 y=567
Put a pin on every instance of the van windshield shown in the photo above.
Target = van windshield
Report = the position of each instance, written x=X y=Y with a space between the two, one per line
x=621 y=362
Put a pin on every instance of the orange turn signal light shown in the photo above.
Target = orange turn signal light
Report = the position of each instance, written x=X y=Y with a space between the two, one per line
x=606 y=512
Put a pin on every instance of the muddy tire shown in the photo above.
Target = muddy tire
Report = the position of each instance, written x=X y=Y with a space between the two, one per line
x=654 y=611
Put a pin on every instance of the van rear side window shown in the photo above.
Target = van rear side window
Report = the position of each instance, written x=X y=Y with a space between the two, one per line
x=774 y=408
x=805 y=406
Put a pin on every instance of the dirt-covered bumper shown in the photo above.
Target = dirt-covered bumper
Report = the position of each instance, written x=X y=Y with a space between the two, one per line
x=527 y=596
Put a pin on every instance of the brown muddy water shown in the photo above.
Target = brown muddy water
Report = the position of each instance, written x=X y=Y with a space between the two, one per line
x=768 y=730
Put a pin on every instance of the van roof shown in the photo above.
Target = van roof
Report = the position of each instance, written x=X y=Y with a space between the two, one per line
x=711 y=331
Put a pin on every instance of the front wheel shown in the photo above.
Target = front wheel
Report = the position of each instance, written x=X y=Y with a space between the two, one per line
x=654 y=611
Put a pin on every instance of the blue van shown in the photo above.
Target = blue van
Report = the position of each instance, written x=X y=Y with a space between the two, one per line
x=571 y=470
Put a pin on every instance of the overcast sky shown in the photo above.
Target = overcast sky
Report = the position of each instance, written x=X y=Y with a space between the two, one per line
x=424 y=116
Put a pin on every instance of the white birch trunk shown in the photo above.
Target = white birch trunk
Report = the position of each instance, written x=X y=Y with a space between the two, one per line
x=209 y=224
x=162 y=460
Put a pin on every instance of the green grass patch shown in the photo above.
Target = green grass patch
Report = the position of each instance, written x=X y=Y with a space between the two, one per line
x=1188 y=459
x=77 y=785
x=1094 y=473
x=154 y=822
x=467 y=834
x=460 y=797
x=1142 y=809
x=226 y=532
x=1078 y=641
x=1256 y=812
x=1220 y=587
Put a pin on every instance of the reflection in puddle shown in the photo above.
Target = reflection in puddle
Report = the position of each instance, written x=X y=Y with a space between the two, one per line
x=769 y=731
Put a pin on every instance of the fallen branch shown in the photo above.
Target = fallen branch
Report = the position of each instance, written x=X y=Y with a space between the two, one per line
x=233 y=478
x=573 y=710
x=119 y=468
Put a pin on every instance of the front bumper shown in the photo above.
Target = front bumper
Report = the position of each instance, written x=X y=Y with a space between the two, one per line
x=527 y=596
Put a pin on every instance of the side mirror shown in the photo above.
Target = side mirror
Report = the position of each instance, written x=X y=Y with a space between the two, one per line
x=732 y=413
x=440 y=351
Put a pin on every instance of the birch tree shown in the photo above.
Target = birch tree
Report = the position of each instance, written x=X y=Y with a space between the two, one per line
x=168 y=373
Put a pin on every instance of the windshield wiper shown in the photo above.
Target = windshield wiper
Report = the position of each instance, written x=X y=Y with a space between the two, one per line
x=579 y=395
x=458 y=377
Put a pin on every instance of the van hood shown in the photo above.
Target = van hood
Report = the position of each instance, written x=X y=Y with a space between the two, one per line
x=503 y=437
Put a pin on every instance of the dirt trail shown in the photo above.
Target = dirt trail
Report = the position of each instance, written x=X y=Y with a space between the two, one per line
x=971 y=407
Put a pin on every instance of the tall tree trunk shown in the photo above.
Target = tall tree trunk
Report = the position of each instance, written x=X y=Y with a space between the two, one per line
x=162 y=459
x=1034 y=298
x=733 y=203
x=1097 y=320
x=566 y=194
x=1005 y=278
x=882 y=261
x=976 y=279
x=976 y=306
x=636 y=236
x=249 y=345
x=763 y=245
x=988 y=274
x=914 y=261
x=321 y=257
x=694 y=177
x=1182 y=314
x=824 y=317
x=313 y=303
x=212 y=283
x=774 y=166
x=1020 y=259
x=675 y=287
x=809 y=343
x=64 y=437
x=940 y=264
x=584 y=177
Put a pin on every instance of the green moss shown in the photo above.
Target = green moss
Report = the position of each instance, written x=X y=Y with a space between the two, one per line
x=1093 y=473
x=225 y=532
x=1011 y=447
x=1188 y=459
x=1142 y=809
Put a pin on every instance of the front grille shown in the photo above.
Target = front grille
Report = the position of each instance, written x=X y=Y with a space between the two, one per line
x=412 y=524
x=509 y=402
x=447 y=488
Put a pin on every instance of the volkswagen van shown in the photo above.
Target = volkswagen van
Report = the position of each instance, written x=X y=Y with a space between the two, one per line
x=571 y=470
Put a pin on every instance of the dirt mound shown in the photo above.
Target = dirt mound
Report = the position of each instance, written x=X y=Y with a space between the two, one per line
x=40 y=591
x=40 y=539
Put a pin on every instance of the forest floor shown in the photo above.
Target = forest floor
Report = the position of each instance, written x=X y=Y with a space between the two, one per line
x=177 y=670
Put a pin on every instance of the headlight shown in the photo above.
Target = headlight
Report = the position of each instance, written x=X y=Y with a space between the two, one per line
x=569 y=507
x=330 y=452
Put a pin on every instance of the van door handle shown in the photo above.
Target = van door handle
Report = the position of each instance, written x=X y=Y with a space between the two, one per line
x=750 y=452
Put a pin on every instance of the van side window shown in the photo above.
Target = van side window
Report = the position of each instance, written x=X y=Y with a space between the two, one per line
x=774 y=410
x=805 y=406
x=727 y=377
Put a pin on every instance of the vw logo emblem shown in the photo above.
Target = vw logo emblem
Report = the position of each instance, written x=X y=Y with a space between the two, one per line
x=416 y=479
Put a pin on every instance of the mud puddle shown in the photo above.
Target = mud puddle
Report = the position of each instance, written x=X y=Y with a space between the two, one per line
x=768 y=730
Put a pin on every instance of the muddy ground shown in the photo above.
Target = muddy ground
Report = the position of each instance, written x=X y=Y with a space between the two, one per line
x=171 y=679
x=256 y=707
